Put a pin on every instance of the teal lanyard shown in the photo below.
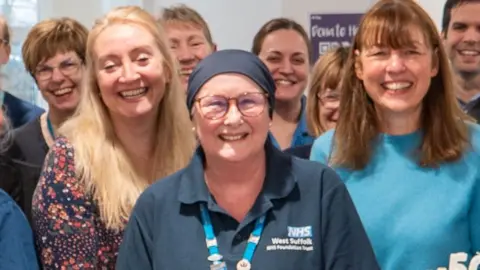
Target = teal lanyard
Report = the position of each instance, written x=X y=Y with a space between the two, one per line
x=2 y=97
x=212 y=245
x=50 y=128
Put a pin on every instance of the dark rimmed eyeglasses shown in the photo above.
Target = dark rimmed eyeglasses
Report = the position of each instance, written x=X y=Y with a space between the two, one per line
x=329 y=96
x=248 y=104
x=67 y=68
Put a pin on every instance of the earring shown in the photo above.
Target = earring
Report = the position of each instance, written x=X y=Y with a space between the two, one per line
x=193 y=129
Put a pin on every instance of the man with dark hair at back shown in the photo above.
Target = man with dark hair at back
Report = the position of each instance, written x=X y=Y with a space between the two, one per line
x=461 y=33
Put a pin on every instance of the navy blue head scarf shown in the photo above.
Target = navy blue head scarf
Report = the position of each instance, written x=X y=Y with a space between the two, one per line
x=231 y=61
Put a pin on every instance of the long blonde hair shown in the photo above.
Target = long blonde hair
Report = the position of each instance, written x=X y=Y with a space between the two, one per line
x=101 y=163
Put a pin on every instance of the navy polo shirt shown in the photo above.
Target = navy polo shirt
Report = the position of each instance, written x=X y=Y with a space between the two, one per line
x=311 y=222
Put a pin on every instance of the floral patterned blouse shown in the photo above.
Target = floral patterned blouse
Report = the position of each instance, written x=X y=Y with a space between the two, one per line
x=69 y=232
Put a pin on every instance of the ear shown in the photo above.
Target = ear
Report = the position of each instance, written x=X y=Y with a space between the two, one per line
x=6 y=57
x=358 y=66
x=214 y=47
x=435 y=63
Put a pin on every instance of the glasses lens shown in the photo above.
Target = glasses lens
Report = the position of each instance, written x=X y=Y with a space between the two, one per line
x=68 y=68
x=213 y=107
x=251 y=104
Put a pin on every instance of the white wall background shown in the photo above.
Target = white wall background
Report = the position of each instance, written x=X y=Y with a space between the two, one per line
x=233 y=23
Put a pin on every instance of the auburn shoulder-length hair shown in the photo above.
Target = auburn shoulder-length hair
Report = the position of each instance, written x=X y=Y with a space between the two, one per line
x=445 y=133
x=101 y=162
x=326 y=74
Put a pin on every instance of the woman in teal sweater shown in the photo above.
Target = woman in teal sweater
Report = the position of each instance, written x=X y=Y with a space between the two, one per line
x=407 y=153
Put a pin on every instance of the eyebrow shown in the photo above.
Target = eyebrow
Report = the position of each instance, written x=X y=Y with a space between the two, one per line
x=136 y=50
x=61 y=62
x=280 y=53
x=189 y=38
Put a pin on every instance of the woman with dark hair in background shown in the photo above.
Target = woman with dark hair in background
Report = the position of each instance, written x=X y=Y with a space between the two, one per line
x=283 y=45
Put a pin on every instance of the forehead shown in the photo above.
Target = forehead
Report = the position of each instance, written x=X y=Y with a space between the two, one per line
x=58 y=58
x=228 y=84
x=468 y=13
x=383 y=35
x=284 y=41
x=119 y=38
x=175 y=29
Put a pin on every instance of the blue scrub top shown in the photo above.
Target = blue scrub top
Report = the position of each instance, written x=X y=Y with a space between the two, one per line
x=301 y=135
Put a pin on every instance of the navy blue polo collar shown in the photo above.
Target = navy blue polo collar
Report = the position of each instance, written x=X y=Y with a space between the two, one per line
x=279 y=182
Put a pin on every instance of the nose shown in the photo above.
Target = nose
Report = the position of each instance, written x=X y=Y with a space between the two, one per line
x=286 y=67
x=472 y=35
x=128 y=73
x=395 y=63
x=184 y=54
x=57 y=75
x=233 y=116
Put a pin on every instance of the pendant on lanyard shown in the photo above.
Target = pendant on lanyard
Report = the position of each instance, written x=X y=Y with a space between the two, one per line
x=211 y=240
x=244 y=265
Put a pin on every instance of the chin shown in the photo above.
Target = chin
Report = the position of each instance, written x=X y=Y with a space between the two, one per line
x=468 y=68
x=137 y=112
x=234 y=155
x=400 y=108
x=67 y=106
x=287 y=95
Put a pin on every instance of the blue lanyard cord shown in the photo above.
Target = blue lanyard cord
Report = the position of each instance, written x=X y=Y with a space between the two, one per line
x=50 y=128
x=254 y=239
x=212 y=240
x=208 y=228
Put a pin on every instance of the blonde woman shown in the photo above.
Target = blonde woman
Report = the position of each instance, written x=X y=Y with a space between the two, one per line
x=323 y=98
x=131 y=128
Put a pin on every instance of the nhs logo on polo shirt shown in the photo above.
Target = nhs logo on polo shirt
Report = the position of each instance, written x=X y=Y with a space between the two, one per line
x=300 y=232
x=298 y=239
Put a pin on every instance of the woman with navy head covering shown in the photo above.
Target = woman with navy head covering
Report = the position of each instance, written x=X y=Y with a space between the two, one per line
x=241 y=203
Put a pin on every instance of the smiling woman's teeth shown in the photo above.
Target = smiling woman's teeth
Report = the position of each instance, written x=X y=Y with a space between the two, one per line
x=63 y=91
x=397 y=86
x=284 y=82
x=133 y=93
x=469 y=53
x=232 y=137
